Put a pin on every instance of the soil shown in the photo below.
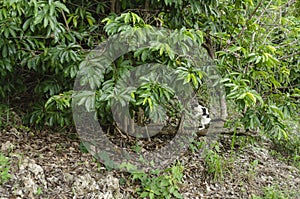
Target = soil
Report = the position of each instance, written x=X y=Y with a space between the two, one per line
x=47 y=164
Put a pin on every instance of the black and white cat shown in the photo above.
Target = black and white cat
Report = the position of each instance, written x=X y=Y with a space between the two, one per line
x=201 y=114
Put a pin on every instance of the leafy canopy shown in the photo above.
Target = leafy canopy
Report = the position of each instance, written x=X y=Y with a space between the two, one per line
x=255 y=45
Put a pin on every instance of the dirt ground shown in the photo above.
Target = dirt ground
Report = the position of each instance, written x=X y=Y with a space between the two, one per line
x=45 y=164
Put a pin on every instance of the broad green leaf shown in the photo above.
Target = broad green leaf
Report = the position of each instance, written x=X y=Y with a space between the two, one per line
x=234 y=48
x=90 y=20
x=61 y=6
x=277 y=111
x=271 y=48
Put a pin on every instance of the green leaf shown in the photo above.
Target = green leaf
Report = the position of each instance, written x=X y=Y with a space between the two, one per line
x=90 y=20
x=26 y=24
x=194 y=80
x=46 y=22
x=38 y=19
x=161 y=50
x=277 y=111
x=61 y=6
x=151 y=195
x=12 y=32
x=126 y=17
x=234 y=48
x=51 y=10
x=4 y=51
x=164 y=183
x=258 y=59
x=177 y=194
x=251 y=96
x=144 y=194
x=271 y=48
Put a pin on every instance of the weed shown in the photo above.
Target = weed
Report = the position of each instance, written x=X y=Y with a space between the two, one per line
x=274 y=192
x=39 y=191
x=8 y=117
x=136 y=148
x=196 y=145
x=254 y=165
x=288 y=148
x=83 y=147
x=252 y=169
x=4 y=168
x=214 y=163
x=158 y=184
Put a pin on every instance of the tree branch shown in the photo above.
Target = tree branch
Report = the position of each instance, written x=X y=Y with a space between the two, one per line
x=289 y=56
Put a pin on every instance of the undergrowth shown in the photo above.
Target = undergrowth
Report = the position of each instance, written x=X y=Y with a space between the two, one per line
x=4 y=169
x=158 y=183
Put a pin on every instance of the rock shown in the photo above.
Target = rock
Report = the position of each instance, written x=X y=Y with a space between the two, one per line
x=7 y=146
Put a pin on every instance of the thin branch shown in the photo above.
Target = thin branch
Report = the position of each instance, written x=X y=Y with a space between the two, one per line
x=289 y=56
x=288 y=44
x=65 y=20
x=141 y=10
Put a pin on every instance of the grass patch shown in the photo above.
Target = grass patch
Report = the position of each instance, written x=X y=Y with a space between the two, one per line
x=4 y=169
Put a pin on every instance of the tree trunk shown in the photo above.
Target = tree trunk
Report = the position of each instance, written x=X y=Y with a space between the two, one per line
x=115 y=6
x=112 y=6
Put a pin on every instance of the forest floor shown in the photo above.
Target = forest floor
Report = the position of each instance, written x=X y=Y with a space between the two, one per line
x=44 y=164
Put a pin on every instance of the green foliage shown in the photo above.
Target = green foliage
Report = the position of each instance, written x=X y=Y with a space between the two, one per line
x=153 y=92
x=196 y=145
x=39 y=54
x=4 y=116
x=258 y=76
x=288 y=149
x=4 y=169
x=8 y=117
x=255 y=45
x=159 y=184
x=82 y=148
x=275 y=192
x=39 y=191
x=214 y=163
x=252 y=169
x=137 y=148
